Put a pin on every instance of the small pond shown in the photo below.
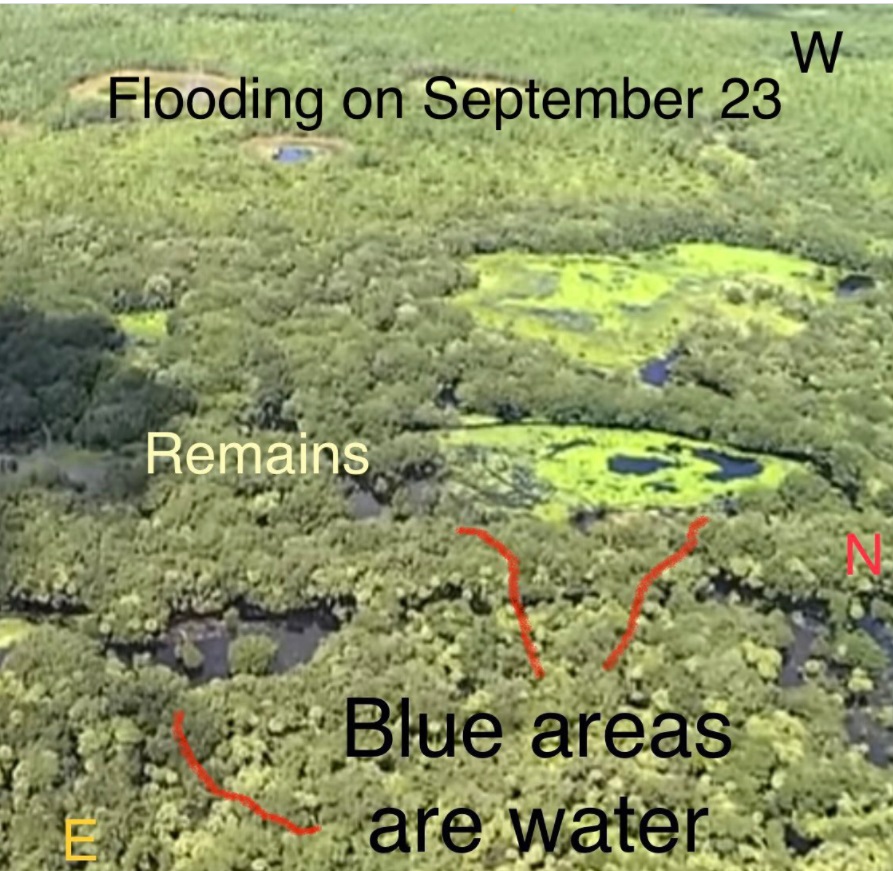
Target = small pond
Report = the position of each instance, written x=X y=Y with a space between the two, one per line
x=294 y=154
x=853 y=283
x=731 y=468
x=811 y=633
x=626 y=465
x=656 y=371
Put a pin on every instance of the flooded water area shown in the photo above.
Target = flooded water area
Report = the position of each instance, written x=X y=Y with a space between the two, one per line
x=201 y=648
x=805 y=631
x=819 y=652
x=864 y=729
x=864 y=720
x=88 y=473
x=207 y=648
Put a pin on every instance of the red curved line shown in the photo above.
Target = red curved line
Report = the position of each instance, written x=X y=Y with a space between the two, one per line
x=691 y=542
x=215 y=790
x=514 y=593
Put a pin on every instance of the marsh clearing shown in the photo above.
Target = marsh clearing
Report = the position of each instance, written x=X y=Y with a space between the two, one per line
x=623 y=311
x=98 y=87
x=557 y=471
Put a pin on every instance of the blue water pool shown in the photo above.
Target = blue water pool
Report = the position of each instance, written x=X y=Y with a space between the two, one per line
x=656 y=371
x=293 y=154
x=626 y=465
x=730 y=468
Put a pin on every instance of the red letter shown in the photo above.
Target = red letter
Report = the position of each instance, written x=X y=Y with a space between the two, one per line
x=874 y=565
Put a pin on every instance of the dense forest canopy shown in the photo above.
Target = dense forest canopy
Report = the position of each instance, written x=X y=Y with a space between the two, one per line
x=578 y=334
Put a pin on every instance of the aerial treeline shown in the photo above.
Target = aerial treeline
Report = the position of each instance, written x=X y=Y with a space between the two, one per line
x=63 y=378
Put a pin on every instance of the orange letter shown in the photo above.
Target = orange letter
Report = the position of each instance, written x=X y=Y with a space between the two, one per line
x=875 y=565
x=72 y=839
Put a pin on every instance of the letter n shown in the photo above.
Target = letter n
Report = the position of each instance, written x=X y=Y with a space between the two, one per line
x=874 y=565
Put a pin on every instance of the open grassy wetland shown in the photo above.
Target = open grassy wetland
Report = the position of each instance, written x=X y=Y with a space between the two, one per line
x=620 y=310
x=578 y=334
x=559 y=471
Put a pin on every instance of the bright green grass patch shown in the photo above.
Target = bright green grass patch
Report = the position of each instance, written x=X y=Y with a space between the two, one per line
x=620 y=311
x=11 y=630
x=147 y=326
x=554 y=471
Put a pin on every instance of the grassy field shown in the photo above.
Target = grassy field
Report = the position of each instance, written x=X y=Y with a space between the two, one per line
x=11 y=630
x=144 y=326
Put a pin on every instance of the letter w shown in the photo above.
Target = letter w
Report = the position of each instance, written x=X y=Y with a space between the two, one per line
x=536 y=822
x=875 y=565
x=816 y=38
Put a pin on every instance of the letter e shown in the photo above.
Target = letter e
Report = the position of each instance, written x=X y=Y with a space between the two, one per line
x=193 y=457
x=450 y=828
x=77 y=839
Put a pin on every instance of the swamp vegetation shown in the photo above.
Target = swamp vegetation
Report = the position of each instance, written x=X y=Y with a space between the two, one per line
x=579 y=335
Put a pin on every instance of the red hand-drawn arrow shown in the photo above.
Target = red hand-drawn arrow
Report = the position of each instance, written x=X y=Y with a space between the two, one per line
x=514 y=568
x=514 y=593
x=215 y=790
x=691 y=542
